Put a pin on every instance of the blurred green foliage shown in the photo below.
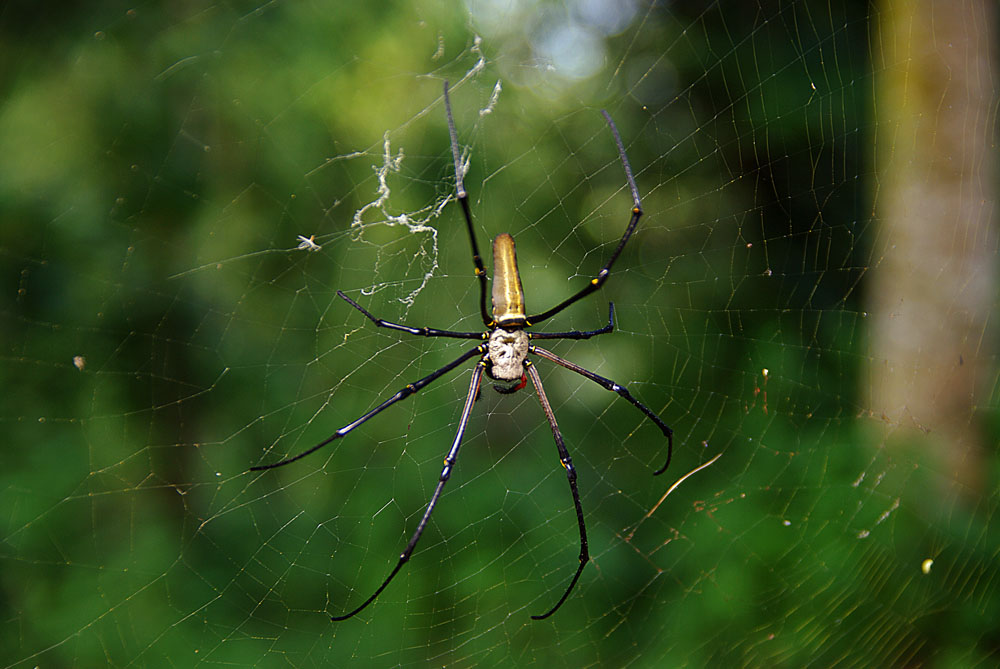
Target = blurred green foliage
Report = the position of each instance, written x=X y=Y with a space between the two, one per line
x=160 y=161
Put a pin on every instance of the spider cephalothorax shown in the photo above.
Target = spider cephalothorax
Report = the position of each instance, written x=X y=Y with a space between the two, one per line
x=507 y=351
x=505 y=357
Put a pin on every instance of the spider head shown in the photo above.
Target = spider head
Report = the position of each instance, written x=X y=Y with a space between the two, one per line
x=507 y=350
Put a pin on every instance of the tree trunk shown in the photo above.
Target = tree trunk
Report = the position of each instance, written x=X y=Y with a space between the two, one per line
x=932 y=289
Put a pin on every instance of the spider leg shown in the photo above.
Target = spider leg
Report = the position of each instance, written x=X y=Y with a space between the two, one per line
x=463 y=199
x=449 y=463
x=577 y=334
x=403 y=393
x=567 y=464
x=423 y=332
x=614 y=387
x=602 y=276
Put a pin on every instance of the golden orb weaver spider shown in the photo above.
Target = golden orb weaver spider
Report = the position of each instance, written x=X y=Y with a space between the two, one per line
x=504 y=357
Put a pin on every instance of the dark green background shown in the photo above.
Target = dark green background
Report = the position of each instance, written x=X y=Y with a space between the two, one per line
x=158 y=162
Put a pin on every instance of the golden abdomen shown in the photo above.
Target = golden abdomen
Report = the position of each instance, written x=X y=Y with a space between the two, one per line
x=508 y=295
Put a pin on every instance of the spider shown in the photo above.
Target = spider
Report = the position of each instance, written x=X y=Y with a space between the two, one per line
x=504 y=357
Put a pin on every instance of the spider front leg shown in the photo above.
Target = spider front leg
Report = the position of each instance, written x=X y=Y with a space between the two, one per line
x=567 y=464
x=449 y=463
x=621 y=391
x=402 y=394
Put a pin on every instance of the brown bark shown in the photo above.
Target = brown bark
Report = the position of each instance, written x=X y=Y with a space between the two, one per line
x=933 y=285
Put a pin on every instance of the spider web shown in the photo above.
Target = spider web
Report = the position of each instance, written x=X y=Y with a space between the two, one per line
x=185 y=188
